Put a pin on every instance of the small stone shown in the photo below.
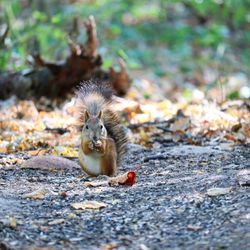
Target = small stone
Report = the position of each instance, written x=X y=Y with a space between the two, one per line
x=71 y=216
x=12 y=222
x=143 y=247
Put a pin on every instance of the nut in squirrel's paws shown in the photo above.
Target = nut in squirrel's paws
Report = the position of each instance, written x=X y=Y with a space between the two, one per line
x=91 y=145
x=98 y=144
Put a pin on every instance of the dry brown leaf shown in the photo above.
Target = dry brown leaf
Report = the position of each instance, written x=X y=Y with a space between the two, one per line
x=218 y=191
x=95 y=183
x=109 y=246
x=178 y=136
x=246 y=130
x=8 y=162
x=230 y=137
x=49 y=162
x=37 y=194
x=236 y=127
x=128 y=179
x=194 y=228
x=88 y=205
x=38 y=152
x=181 y=124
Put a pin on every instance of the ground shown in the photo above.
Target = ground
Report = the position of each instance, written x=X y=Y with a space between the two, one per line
x=175 y=203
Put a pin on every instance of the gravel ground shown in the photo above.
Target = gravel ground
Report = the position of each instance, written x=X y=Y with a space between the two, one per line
x=173 y=205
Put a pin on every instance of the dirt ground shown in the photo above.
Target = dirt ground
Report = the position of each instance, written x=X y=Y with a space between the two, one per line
x=185 y=197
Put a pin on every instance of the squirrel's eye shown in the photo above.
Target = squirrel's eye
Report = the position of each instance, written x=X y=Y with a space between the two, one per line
x=87 y=127
x=101 y=127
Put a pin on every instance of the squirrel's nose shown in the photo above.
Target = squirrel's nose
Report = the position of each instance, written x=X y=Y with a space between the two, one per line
x=95 y=138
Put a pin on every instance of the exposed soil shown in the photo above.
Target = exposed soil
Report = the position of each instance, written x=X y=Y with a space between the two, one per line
x=169 y=207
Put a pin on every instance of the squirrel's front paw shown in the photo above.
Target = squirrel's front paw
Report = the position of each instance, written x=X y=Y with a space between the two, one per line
x=91 y=145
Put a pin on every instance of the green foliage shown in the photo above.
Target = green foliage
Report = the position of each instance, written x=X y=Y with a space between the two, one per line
x=233 y=95
x=133 y=30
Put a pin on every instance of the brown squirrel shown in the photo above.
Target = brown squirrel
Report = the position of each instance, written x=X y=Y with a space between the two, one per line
x=103 y=139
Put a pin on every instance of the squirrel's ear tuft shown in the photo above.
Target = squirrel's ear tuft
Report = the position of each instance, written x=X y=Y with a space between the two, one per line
x=86 y=116
x=99 y=115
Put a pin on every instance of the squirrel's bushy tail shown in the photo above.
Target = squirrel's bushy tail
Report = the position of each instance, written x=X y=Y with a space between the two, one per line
x=94 y=96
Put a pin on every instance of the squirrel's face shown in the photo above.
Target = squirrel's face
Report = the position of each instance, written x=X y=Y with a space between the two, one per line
x=94 y=129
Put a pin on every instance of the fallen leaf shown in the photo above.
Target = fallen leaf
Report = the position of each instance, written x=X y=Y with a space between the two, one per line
x=230 y=137
x=246 y=130
x=88 y=205
x=49 y=162
x=37 y=194
x=128 y=179
x=65 y=151
x=194 y=228
x=38 y=152
x=236 y=127
x=109 y=246
x=218 y=191
x=94 y=183
x=144 y=136
x=178 y=136
x=56 y=222
x=181 y=124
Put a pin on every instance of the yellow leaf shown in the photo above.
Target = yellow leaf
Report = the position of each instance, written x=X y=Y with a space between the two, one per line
x=144 y=136
x=38 y=152
x=95 y=183
x=65 y=151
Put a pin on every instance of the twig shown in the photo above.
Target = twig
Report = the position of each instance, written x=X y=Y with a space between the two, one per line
x=60 y=131
x=148 y=124
x=120 y=79
x=74 y=47
x=155 y=157
x=90 y=26
x=165 y=129
x=4 y=35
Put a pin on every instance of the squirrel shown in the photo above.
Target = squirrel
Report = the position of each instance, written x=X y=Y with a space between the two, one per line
x=103 y=139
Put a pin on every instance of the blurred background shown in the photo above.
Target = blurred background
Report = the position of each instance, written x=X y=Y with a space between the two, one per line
x=189 y=62
x=176 y=49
